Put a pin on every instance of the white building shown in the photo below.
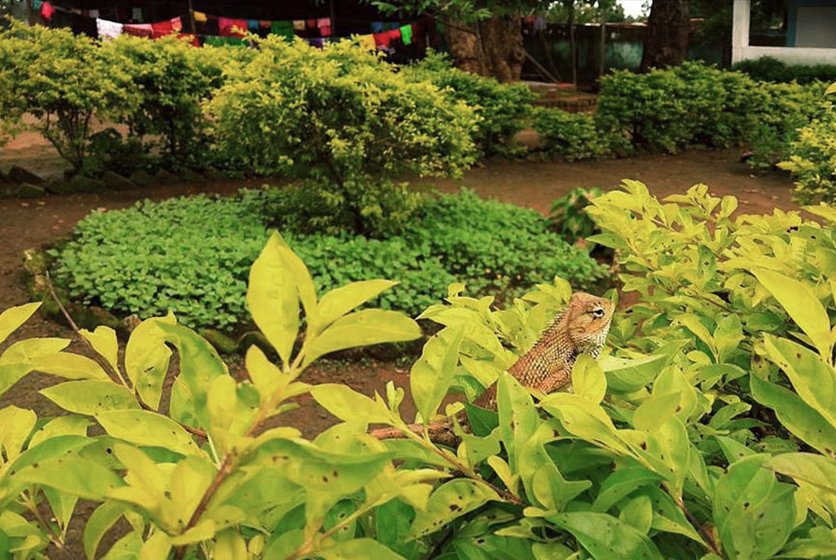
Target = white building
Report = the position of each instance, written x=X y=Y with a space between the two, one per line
x=810 y=33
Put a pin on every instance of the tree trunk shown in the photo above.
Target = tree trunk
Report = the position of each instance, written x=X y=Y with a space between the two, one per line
x=573 y=48
x=602 y=41
x=666 y=40
x=492 y=47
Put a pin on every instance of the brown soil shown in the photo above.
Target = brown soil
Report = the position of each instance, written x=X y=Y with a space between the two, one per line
x=25 y=224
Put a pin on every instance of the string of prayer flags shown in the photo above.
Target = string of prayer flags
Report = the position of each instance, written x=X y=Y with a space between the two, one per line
x=406 y=34
x=163 y=28
x=138 y=29
x=367 y=42
x=253 y=25
x=324 y=25
x=228 y=27
x=199 y=17
x=215 y=41
x=108 y=29
x=47 y=10
x=299 y=25
x=283 y=28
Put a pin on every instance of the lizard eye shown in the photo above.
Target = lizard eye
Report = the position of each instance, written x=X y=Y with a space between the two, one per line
x=598 y=312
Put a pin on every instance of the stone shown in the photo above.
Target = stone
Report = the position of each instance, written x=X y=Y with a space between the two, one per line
x=165 y=177
x=80 y=183
x=19 y=174
x=58 y=186
x=220 y=341
x=131 y=322
x=117 y=182
x=93 y=316
x=28 y=190
x=35 y=261
x=142 y=179
x=191 y=176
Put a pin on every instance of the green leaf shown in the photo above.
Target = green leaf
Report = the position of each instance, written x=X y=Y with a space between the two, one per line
x=448 y=502
x=20 y=358
x=146 y=428
x=802 y=305
x=340 y=301
x=72 y=475
x=518 y=421
x=69 y=366
x=103 y=340
x=11 y=319
x=605 y=537
x=99 y=523
x=91 y=397
x=358 y=548
x=620 y=484
x=802 y=420
x=17 y=424
x=347 y=404
x=272 y=297
x=147 y=359
x=362 y=328
x=552 y=490
x=318 y=470
x=432 y=374
x=626 y=376
x=586 y=420
x=588 y=379
x=816 y=470
x=812 y=378
x=754 y=512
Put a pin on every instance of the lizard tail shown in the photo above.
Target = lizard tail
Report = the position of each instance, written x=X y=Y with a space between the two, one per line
x=439 y=432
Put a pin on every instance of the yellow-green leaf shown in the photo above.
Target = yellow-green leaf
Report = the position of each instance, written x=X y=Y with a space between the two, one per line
x=362 y=328
x=340 y=301
x=432 y=374
x=272 y=297
x=91 y=397
x=103 y=340
x=588 y=379
x=146 y=428
x=802 y=305
x=347 y=404
x=12 y=318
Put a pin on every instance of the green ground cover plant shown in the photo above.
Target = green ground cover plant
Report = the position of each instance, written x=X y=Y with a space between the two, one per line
x=192 y=255
x=705 y=431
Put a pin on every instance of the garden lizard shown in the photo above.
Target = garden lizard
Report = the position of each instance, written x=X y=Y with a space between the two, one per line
x=581 y=328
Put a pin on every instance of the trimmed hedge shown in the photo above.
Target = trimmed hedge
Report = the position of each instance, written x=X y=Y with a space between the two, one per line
x=769 y=69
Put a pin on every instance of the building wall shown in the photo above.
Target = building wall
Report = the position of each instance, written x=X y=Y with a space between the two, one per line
x=820 y=33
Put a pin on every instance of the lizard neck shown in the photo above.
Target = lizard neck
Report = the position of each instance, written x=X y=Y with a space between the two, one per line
x=553 y=351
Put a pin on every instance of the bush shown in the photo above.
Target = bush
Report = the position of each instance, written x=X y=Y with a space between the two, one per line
x=501 y=108
x=706 y=430
x=813 y=161
x=568 y=215
x=669 y=109
x=342 y=120
x=191 y=256
x=172 y=78
x=569 y=136
x=785 y=110
x=64 y=81
x=768 y=69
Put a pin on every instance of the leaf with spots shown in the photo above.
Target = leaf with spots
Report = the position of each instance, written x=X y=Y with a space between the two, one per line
x=91 y=397
x=146 y=428
x=72 y=475
x=607 y=538
x=448 y=502
x=753 y=511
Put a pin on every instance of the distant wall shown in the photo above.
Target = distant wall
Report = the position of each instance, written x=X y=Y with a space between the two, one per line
x=623 y=50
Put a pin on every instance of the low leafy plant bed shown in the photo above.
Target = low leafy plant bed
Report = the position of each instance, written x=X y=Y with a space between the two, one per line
x=191 y=256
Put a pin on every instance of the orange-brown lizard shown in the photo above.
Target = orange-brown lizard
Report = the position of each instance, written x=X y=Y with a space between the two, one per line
x=581 y=328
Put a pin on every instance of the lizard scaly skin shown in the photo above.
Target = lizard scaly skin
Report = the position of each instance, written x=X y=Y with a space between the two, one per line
x=581 y=328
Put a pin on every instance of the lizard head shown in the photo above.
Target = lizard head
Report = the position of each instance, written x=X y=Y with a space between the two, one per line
x=588 y=320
